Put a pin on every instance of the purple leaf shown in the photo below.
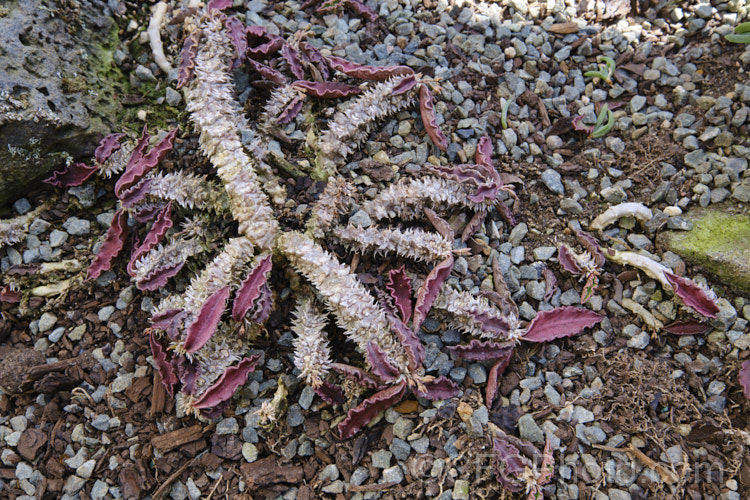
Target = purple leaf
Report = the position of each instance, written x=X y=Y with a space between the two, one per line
x=141 y=164
x=187 y=58
x=146 y=213
x=438 y=389
x=234 y=377
x=362 y=9
x=687 y=328
x=399 y=286
x=188 y=372
x=292 y=58
x=692 y=295
x=592 y=246
x=113 y=243
x=427 y=109
x=509 y=464
x=266 y=72
x=363 y=72
x=494 y=325
x=482 y=350
x=237 y=33
x=271 y=46
x=361 y=415
x=409 y=340
x=743 y=377
x=219 y=4
x=560 y=322
x=169 y=321
x=251 y=288
x=358 y=375
x=159 y=228
x=327 y=90
x=484 y=152
x=263 y=306
x=484 y=192
x=168 y=377
x=159 y=277
x=550 y=284
x=405 y=85
x=430 y=289
x=493 y=378
x=441 y=225
x=202 y=329
x=107 y=146
x=291 y=110
x=379 y=362
x=568 y=261
x=330 y=393
x=7 y=294
x=132 y=196
x=474 y=225
x=315 y=57
x=72 y=175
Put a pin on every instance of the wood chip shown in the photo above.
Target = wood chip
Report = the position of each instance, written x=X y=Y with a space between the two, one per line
x=269 y=471
x=564 y=28
x=173 y=440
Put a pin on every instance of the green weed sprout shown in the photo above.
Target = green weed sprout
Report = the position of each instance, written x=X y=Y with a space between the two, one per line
x=601 y=128
x=741 y=34
x=504 y=114
x=605 y=73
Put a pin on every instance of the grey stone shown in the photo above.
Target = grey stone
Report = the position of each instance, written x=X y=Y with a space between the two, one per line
x=477 y=373
x=529 y=430
x=329 y=473
x=100 y=423
x=178 y=491
x=571 y=206
x=381 y=459
x=517 y=234
x=361 y=219
x=393 y=475
x=86 y=469
x=46 y=322
x=421 y=445
x=639 y=341
x=402 y=427
x=73 y=485
x=553 y=181
x=400 y=449
x=99 y=490
x=172 y=97
x=306 y=397
x=57 y=238
x=294 y=416
x=77 y=227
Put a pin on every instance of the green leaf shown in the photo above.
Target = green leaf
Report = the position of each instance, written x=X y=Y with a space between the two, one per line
x=738 y=38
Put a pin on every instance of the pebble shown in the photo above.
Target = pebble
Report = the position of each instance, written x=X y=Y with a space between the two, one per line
x=381 y=459
x=306 y=397
x=99 y=489
x=393 y=475
x=249 y=452
x=329 y=473
x=529 y=430
x=86 y=469
x=553 y=181
x=477 y=373
x=517 y=234
x=46 y=322
x=400 y=449
x=77 y=227
x=73 y=485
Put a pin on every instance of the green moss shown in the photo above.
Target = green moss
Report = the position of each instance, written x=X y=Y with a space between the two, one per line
x=719 y=242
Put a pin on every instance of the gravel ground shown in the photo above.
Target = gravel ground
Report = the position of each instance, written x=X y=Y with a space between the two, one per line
x=100 y=427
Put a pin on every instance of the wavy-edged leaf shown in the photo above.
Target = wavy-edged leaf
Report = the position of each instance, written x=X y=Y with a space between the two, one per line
x=550 y=283
x=187 y=58
x=237 y=33
x=251 y=288
x=361 y=415
x=493 y=377
x=72 y=175
x=358 y=375
x=410 y=342
x=362 y=9
x=475 y=224
x=568 y=261
x=159 y=228
x=692 y=295
x=316 y=58
x=427 y=110
x=113 y=243
x=266 y=72
x=437 y=389
x=7 y=294
x=159 y=277
x=146 y=213
x=263 y=306
x=134 y=195
x=188 y=371
x=202 y=329
x=484 y=192
x=560 y=322
x=591 y=244
x=509 y=465
x=399 y=286
x=327 y=90
x=482 y=350
x=364 y=72
x=232 y=378
x=272 y=44
x=483 y=155
x=163 y=365
x=743 y=377
x=107 y=146
x=169 y=321
x=441 y=225
x=379 y=362
x=430 y=289
x=291 y=110
x=405 y=85
x=330 y=393
x=292 y=58
x=141 y=164
x=688 y=328
x=219 y=4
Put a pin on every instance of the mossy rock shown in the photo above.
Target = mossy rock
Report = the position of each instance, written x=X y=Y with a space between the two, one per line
x=719 y=243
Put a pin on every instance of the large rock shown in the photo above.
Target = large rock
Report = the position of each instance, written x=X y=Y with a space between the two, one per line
x=719 y=242
x=56 y=98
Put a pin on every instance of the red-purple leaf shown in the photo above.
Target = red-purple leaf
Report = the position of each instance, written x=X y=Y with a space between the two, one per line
x=251 y=288
x=743 y=377
x=379 y=362
x=219 y=4
x=484 y=152
x=474 y=224
x=692 y=295
x=159 y=277
x=72 y=175
x=369 y=408
x=202 y=329
x=550 y=284
x=107 y=146
x=134 y=195
x=141 y=164
x=484 y=192
x=427 y=109
x=315 y=57
x=234 y=377
x=291 y=110
x=568 y=261
x=263 y=306
x=292 y=58
x=7 y=294
x=187 y=58
x=560 y=322
x=399 y=286
x=363 y=72
x=492 y=324
x=438 y=389
x=362 y=9
x=113 y=243
x=482 y=350
x=430 y=289
x=266 y=72
x=327 y=90
x=168 y=377
x=146 y=213
x=237 y=33
x=441 y=225
x=509 y=465
x=592 y=246
x=169 y=321
x=188 y=372
x=271 y=46
x=688 y=328
x=405 y=85
x=330 y=393
x=493 y=378
x=358 y=375
x=159 y=228
x=409 y=340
